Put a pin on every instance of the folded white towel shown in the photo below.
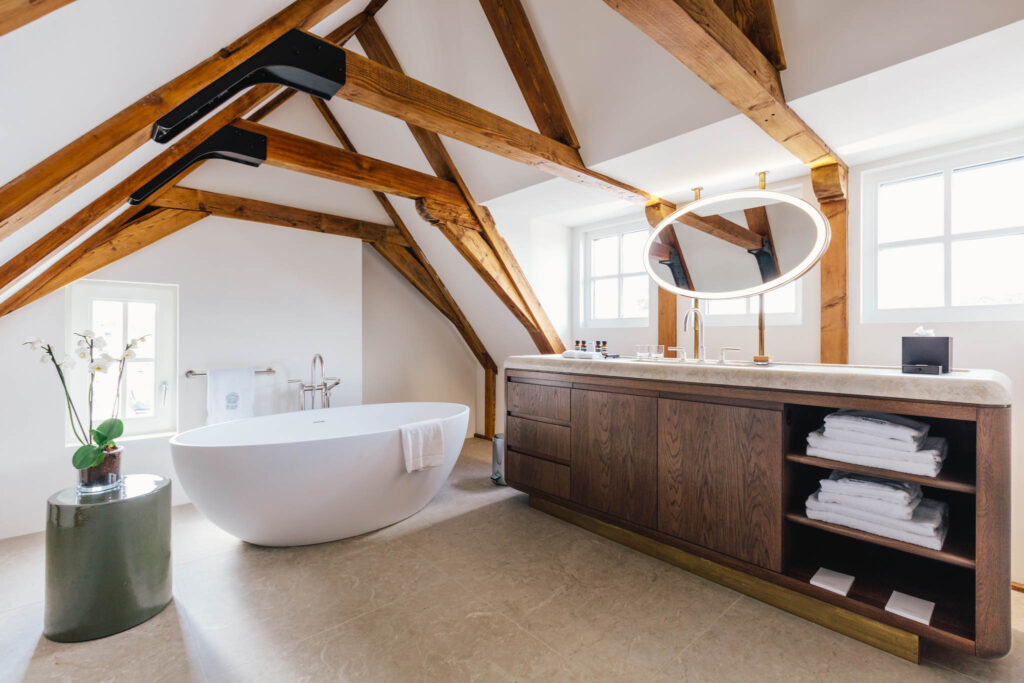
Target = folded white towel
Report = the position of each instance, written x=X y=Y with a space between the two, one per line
x=878 y=424
x=583 y=355
x=894 y=511
x=933 y=542
x=423 y=445
x=927 y=517
x=865 y=486
x=923 y=469
x=933 y=449
x=230 y=394
x=853 y=436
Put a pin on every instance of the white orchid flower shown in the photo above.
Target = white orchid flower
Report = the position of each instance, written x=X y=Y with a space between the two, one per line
x=88 y=334
x=45 y=358
x=34 y=343
x=82 y=343
x=97 y=366
x=82 y=352
x=99 y=343
x=129 y=354
x=68 y=363
x=106 y=358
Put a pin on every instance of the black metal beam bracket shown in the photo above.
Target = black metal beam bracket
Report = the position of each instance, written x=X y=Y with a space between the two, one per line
x=765 y=260
x=228 y=143
x=297 y=59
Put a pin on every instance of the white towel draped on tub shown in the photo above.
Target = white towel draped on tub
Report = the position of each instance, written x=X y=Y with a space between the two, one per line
x=230 y=394
x=423 y=445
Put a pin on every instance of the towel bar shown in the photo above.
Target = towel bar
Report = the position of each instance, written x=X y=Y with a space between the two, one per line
x=193 y=373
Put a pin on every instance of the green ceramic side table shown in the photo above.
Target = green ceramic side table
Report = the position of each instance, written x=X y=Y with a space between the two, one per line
x=108 y=558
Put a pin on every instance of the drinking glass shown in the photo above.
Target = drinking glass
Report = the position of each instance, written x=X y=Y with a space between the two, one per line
x=643 y=351
x=657 y=351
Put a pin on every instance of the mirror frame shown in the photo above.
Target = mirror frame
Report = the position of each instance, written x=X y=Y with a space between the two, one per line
x=821 y=242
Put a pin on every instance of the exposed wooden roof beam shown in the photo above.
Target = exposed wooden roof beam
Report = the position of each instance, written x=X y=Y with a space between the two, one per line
x=522 y=296
x=296 y=153
x=242 y=208
x=724 y=229
x=512 y=28
x=16 y=13
x=68 y=169
x=756 y=19
x=700 y=35
x=106 y=246
x=757 y=222
x=391 y=92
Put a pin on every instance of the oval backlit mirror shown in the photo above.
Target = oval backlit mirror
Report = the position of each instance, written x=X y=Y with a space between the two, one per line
x=736 y=245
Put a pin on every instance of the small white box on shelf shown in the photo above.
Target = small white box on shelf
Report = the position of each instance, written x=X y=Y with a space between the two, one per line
x=910 y=607
x=837 y=582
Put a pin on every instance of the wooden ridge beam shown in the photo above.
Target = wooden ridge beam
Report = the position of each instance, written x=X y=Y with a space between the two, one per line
x=16 y=13
x=303 y=155
x=71 y=167
x=391 y=92
x=106 y=246
x=701 y=36
x=242 y=208
x=373 y=41
x=756 y=19
x=518 y=42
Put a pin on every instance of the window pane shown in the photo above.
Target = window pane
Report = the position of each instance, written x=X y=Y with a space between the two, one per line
x=985 y=197
x=108 y=323
x=910 y=209
x=727 y=307
x=635 y=296
x=605 y=299
x=604 y=256
x=781 y=300
x=633 y=251
x=910 y=277
x=142 y=321
x=988 y=271
x=139 y=385
x=103 y=390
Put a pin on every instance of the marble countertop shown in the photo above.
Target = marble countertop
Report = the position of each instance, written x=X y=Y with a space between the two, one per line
x=975 y=387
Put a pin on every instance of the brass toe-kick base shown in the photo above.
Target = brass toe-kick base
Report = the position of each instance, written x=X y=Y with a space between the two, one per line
x=882 y=636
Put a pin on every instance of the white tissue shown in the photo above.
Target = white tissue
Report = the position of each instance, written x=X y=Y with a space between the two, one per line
x=922 y=332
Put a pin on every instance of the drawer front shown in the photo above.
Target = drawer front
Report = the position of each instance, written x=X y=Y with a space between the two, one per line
x=538 y=474
x=538 y=400
x=538 y=438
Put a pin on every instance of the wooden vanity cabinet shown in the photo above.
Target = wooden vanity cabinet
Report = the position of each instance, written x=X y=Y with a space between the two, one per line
x=615 y=454
x=720 y=478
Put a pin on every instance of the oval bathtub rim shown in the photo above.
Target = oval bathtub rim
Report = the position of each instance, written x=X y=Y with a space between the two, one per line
x=174 y=442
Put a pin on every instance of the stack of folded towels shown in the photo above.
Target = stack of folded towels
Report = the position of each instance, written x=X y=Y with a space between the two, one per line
x=893 y=509
x=872 y=439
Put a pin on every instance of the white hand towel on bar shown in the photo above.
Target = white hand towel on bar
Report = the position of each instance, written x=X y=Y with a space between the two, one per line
x=230 y=394
x=933 y=542
x=873 y=505
x=879 y=424
x=924 y=469
x=423 y=445
x=928 y=516
x=933 y=449
x=898 y=492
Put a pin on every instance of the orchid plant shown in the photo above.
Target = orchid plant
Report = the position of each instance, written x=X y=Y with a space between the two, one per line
x=95 y=441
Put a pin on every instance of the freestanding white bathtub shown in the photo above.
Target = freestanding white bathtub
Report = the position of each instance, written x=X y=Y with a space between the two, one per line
x=313 y=476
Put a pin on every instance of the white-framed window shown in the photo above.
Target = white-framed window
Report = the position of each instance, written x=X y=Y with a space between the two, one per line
x=944 y=238
x=119 y=312
x=783 y=306
x=615 y=290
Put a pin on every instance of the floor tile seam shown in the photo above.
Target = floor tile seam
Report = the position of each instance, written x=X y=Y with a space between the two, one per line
x=710 y=626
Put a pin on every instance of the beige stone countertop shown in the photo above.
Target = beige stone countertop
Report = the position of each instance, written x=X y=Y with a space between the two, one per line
x=974 y=387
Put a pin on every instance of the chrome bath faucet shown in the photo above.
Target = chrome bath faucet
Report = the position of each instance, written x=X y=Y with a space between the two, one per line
x=699 y=328
x=319 y=385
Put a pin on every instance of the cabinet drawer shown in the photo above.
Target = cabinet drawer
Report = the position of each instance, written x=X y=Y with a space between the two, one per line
x=538 y=438
x=537 y=474
x=539 y=400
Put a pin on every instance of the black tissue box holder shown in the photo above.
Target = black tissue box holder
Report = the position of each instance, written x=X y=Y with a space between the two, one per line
x=927 y=355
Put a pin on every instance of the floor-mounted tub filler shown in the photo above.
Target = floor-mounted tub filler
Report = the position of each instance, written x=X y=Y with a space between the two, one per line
x=316 y=475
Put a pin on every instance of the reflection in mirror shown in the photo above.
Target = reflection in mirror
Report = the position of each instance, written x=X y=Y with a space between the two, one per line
x=736 y=245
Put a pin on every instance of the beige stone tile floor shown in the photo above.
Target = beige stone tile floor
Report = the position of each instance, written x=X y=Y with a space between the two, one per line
x=477 y=586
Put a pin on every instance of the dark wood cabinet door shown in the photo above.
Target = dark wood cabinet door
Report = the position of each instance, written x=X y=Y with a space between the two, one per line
x=614 y=461
x=720 y=478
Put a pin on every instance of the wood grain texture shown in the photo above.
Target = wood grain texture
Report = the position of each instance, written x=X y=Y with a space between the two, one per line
x=724 y=229
x=758 y=223
x=490 y=401
x=668 y=314
x=16 y=13
x=537 y=400
x=540 y=439
x=835 y=323
x=720 y=478
x=518 y=43
x=537 y=474
x=700 y=35
x=615 y=454
x=756 y=19
x=68 y=169
x=992 y=533
x=245 y=209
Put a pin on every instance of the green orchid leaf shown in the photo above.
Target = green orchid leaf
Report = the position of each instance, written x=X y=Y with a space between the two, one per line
x=108 y=430
x=87 y=456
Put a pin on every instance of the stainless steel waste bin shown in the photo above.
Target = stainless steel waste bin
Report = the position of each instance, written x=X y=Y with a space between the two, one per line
x=498 y=461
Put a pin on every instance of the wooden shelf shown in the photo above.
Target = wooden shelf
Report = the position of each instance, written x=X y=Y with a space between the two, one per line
x=950 y=554
x=948 y=479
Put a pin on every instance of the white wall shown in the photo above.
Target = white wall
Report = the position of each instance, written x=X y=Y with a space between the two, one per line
x=246 y=298
x=410 y=351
